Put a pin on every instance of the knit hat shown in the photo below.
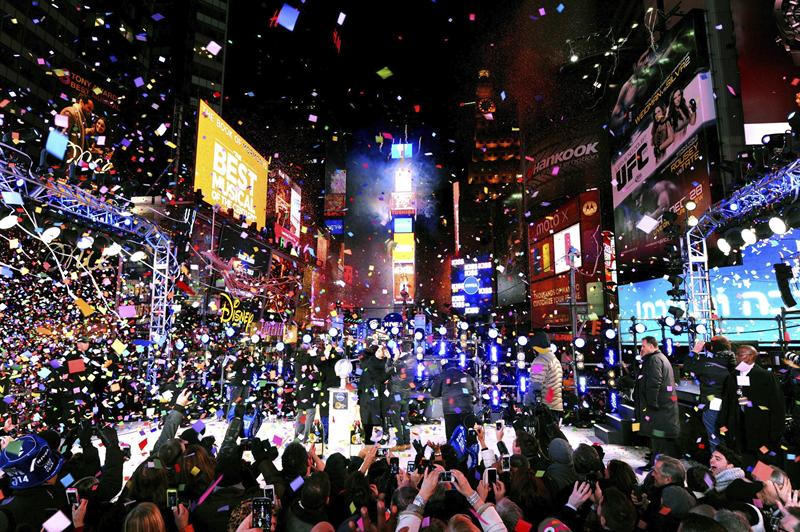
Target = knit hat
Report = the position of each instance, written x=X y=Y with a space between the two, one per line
x=678 y=500
x=560 y=451
x=743 y=490
x=540 y=342
x=553 y=525
x=29 y=462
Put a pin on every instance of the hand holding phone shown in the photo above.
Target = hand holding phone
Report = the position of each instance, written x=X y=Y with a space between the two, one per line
x=491 y=476
x=72 y=496
x=262 y=513
x=394 y=465
x=172 y=498
x=506 y=463
x=445 y=476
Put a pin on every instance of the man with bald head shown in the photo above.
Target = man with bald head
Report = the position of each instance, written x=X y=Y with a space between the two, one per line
x=753 y=410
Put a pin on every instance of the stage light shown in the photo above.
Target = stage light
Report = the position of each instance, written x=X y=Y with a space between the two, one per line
x=669 y=321
x=523 y=384
x=611 y=382
x=579 y=366
x=690 y=205
x=611 y=334
x=676 y=312
x=394 y=331
x=579 y=357
x=640 y=328
x=420 y=370
x=255 y=338
x=493 y=353
x=333 y=332
x=766 y=139
x=179 y=345
x=724 y=246
x=420 y=353
x=777 y=225
x=418 y=335
x=493 y=333
x=749 y=236
x=520 y=356
x=442 y=349
x=8 y=222
x=522 y=340
x=374 y=324
x=734 y=237
x=580 y=343
x=582 y=385
x=50 y=234
x=692 y=220
x=204 y=338
x=442 y=330
x=85 y=242
x=495 y=397
x=700 y=328
x=734 y=206
x=229 y=331
x=306 y=338
x=112 y=250
x=573 y=58
x=462 y=359
x=280 y=347
x=137 y=256
x=676 y=329
x=463 y=325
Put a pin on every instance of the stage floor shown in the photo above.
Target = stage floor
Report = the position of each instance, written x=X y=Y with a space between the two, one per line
x=141 y=437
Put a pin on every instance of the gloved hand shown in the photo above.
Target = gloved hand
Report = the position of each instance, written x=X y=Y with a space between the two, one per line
x=263 y=450
x=108 y=435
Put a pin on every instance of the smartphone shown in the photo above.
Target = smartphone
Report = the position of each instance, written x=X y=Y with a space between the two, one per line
x=472 y=433
x=269 y=493
x=445 y=476
x=506 y=463
x=410 y=468
x=262 y=513
x=72 y=496
x=501 y=446
x=499 y=425
x=491 y=476
x=172 y=498
x=394 y=465
x=382 y=452
x=244 y=444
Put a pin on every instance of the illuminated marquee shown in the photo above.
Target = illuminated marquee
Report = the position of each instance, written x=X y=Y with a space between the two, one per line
x=471 y=286
x=228 y=170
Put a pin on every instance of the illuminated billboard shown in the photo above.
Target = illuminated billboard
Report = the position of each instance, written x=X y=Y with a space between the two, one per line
x=402 y=225
x=403 y=247
x=294 y=210
x=471 y=287
x=229 y=171
x=403 y=281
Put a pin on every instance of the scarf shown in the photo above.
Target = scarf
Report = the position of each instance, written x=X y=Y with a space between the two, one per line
x=726 y=476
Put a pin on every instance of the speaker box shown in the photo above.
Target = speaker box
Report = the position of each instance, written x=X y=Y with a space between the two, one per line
x=783 y=274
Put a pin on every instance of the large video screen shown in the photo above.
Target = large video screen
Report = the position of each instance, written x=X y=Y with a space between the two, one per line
x=471 y=286
x=229 y=171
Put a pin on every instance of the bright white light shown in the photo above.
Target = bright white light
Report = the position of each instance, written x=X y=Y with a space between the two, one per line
x=724 y=246
x=179 y=344
x=85 y=242
x=690 y=205
x=204 y=338
x=230 y=331
x=333 y=332
x=611 y=334
x=749 y=236
x=777 y=225
x=574 y=58
x=580 y=343
x=373 y=324
x=8 y=222
x=137 y=256
x=112 y=250
x=493 y=333
x=50 y=234
x=463 y=325
x=402 y=179
x=418 y=335
x=442 y=330
x=306 y=338
x=395 y=330
x=255 y=338
x=669 y=321
x=522 y=340
x=640 y=328
x=279 y=346
x=692 y=220
x=700 y=328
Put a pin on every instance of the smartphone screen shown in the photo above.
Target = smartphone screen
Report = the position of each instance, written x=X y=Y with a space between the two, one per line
x=498 y=425
x=72 y=496
x=506 y=463
x=445 y=476
x=172 y=498
x=410 y=467
x=269 y=493
x=382 y=452
x=491 y=476
x=262 y=515
x=394 y=465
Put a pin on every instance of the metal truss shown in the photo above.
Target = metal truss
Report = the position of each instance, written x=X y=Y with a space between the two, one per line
x=14 y=178
x=769 y=191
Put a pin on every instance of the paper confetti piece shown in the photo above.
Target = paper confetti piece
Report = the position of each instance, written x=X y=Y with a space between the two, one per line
x=57 y=522
x=385 y=73
x=213 y=48
x=76 y=366
x=288 y=17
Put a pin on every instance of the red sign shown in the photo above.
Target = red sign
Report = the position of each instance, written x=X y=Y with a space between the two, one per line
x=545 y=298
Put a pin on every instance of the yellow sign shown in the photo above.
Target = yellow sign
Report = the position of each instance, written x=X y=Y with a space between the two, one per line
x=230 y=172
x=230 y=312
x=403 y=247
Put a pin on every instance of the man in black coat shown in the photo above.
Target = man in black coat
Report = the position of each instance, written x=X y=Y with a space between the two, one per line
x=327 y=367
x=458 y=392
x=401 y=378
x=307 y=386
x=711 y=369
x=372 y=390
x=753 y=411
x=656 y=400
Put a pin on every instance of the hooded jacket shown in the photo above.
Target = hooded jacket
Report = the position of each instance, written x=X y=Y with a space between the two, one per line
x=547 y=377
x=711 y=370
x=561 y=473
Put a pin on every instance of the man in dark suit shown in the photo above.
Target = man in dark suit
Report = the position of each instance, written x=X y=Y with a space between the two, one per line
x=753 y=412
x=656 y=400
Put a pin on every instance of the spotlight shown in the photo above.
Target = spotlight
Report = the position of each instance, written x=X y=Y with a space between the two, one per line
x=749 y=236
x=692 y=221
x=280 y=347
x=690 y=205
x=522 y=340
x=493 y=333
x=580 y=343
x=463 y=325
x=640 y=328
x=112 y=250
x=85 y=242
x=137 y=256
x=667 y=321
x=420 y=353
x=734 y=237
x=306 y=338
x=374 y=324
x=9 y=221
x=724 y=246
x=734 y=206
x=394 y=330
x=255 y=338
x=700 y=328
x=333 y=332
x=777 y=225
x=611 y=333
x=677 y=328
x=573 y=58
x=442 y=330
x=50 y=234
x=418 y=335
x=677 y=312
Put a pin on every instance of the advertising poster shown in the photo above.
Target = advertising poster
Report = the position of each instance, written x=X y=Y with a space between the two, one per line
x=334 y=205
x=294 y=209
x=338 y=182
x=403 y=282
x=546 y=298
x=229 y=171
x=471 y=283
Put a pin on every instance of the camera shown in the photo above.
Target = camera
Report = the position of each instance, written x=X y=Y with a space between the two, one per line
x=445 y=476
